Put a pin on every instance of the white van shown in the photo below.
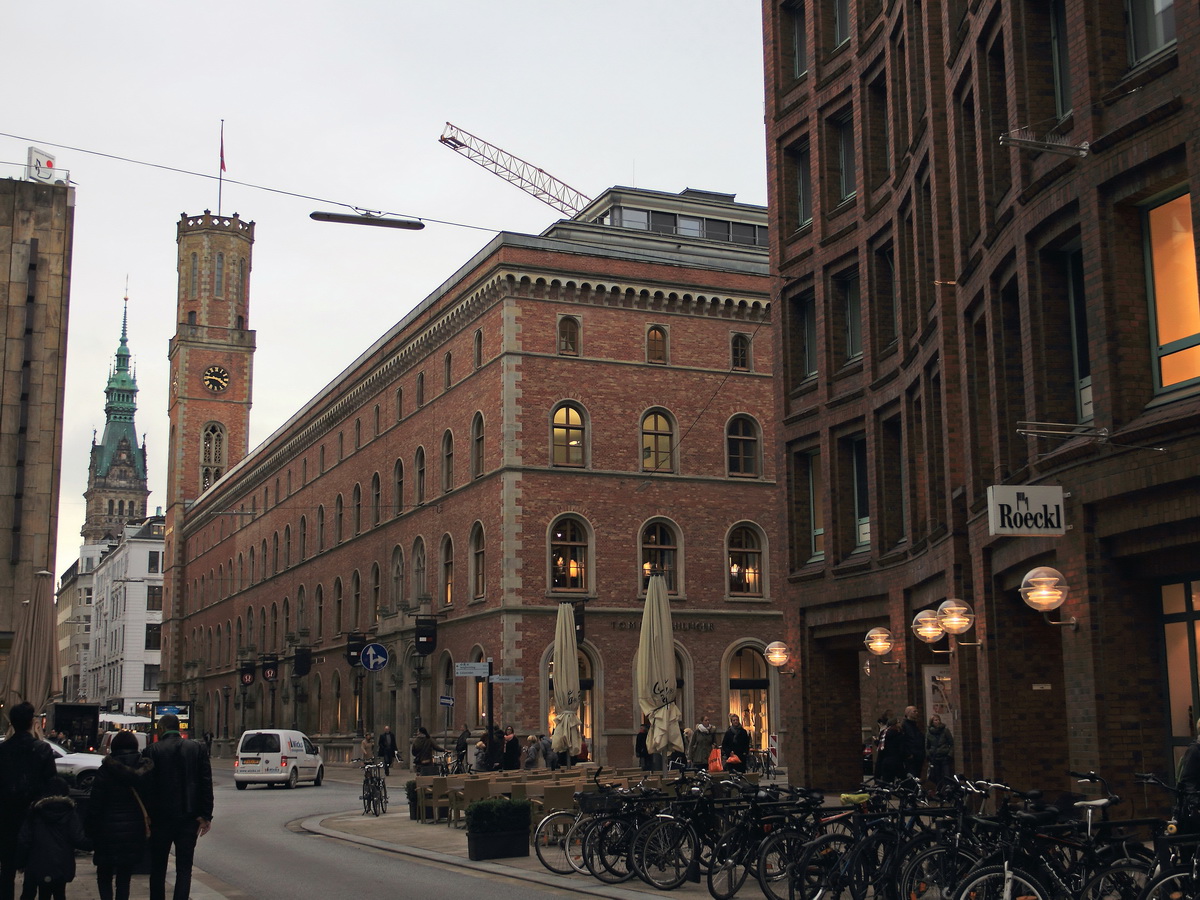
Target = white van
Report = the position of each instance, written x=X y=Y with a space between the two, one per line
x=107 y=738
x=276 y=756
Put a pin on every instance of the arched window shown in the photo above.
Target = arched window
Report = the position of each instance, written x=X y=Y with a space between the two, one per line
x=447 y=372
x=194 y=279
x=660 y=547
x=275 y=553
x=739 y=352
x=447 y=462
x=420 y=464
x=320 y=611
x=241 y=644
x=356 y=499
x=742 y=445
x=356 y=610
x=376 y=499
x=265 y=573
x=477 y=445
x=658 y=443
x=420 y=390
x=219 y=278
x=418 y=570
x=301 y=610
x=250 y=626
x=478 y=348
x=253 y=579
x=478 y=559
x=375 y=413
x=447 y=580
x=398 y=488
x=303 y=538
x=399 y=403
x=212 y=454
x=373 y=616
x=397 y=573
x=656 y=344
x=569 y=436
x=745 y=562
x=274 y=645
x=339 y=507
x=241 y=572
x=568 y=336
x=338 y=621
x=287 y=618
x=357 y=433
x=287 y=546
x=569 y=555
x=320 y=528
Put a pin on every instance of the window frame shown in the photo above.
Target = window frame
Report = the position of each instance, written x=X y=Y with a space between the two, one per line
x=563 y=550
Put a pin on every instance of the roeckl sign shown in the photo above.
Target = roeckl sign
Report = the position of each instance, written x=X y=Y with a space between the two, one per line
x=1025 y=511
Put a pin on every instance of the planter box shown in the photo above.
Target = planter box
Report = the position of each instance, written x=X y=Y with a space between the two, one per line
x=497 y=846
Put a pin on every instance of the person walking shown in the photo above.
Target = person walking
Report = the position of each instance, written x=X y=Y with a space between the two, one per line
x=548 y=753
x=512 y=749
x=366 y=747
x=26 y=767
x=735 y=746
x=180 y=805
x=914 y=742
x=46 y=845
x=387 y=749
x=423 y=748
x=460 y=748
x=704 y=736
x=531 y=756
x=939 y=750
x=117 y=821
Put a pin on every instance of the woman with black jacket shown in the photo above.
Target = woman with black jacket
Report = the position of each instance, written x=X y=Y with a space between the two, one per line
x=116 y=819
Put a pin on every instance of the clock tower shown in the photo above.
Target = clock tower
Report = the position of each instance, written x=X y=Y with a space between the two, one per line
x=211 y=367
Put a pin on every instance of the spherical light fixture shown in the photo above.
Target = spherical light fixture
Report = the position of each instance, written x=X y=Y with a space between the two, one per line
x=879 y=641
x=776 y=653
x=955 y=616
x=1044 y=589
x=925 y=626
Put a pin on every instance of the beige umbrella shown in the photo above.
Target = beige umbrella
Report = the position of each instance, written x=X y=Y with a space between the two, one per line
x=656 y=671
x=33 y=662
x=568 y=730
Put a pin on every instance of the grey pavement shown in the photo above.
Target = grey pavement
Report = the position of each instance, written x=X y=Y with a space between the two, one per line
x=393 y=832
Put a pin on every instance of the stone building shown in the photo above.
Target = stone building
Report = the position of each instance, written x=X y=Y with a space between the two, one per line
x=36 y=228
x=566 y=410
x=982 y=219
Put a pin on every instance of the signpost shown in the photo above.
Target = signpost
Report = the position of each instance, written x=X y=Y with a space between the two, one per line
x=446 y=700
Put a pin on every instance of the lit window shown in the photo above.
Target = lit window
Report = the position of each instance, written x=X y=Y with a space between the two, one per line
x=1173 y=289
x=656 y=344
x=658 y=439
x=659 y=548
x=745 y=563
x=568 y=556
x=478 y=559
x=568 y=438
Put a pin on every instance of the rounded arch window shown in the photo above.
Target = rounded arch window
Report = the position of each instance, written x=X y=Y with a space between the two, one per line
x=569 y=546
x=569 y=437
x=745 y=562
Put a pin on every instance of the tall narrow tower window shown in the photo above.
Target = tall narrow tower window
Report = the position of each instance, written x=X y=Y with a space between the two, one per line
x=194 y=277
x=219 y=278
x=212 y=455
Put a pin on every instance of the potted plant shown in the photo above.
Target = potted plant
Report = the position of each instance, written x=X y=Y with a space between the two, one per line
x=498 y=828
x=410 y=791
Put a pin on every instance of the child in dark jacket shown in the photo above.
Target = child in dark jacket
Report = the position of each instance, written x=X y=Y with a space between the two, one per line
x=116 y=819
x=47 y=842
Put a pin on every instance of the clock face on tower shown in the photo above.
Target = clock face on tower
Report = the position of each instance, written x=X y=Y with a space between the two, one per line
x=216 y=379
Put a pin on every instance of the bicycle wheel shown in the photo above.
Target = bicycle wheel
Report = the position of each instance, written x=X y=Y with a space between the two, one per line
x=606 y=850
x=1124 y=881
x=1001 y=883
x=869 y=868
x=664 y=851
x=778 y=850
x=550 y=842
x=730 y=865
x=366 y=796
x=1173 y=885
x=819 y=871
x=383 y=794
x=934 y=873
x=573 y=848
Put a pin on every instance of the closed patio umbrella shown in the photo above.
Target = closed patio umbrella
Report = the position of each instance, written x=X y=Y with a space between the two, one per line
x=568 y=729
x=656 y=686
x=33 y=662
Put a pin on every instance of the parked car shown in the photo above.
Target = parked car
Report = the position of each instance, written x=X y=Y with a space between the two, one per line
x=79 y=769
x=273 y=756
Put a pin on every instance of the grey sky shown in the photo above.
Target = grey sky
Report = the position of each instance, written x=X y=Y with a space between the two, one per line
x=345 y=101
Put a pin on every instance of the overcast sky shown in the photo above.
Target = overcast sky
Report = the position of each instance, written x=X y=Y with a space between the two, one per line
x=345 y=102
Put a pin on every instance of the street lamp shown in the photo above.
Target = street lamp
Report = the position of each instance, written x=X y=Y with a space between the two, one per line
x=776 y=654
x=1045 y=589
x=379 y=220
x=925 y=626
x=880 y=642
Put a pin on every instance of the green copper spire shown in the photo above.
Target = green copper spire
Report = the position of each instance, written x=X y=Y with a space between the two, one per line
x=120 y=437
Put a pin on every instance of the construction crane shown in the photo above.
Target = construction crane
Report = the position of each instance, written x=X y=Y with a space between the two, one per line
x=514 y=170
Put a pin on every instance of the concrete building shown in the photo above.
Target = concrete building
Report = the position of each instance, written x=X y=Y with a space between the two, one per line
x=36 y=227
x=982 y=221
x=125 y=658
x=564 y=411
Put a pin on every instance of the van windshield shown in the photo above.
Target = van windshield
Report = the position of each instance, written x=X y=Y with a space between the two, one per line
x=260 y=742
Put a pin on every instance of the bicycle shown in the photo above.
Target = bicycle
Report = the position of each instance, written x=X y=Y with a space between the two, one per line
x=374 y=787
x=763 y=762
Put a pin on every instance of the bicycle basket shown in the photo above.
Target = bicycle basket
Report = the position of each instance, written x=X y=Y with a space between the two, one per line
x=602 y=802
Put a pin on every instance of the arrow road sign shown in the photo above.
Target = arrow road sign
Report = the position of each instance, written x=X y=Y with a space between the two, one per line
x=374 y=657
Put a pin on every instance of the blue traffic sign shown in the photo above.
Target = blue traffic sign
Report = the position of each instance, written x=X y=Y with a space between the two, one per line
x=374 y=657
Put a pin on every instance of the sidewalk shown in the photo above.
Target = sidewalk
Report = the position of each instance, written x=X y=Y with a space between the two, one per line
x=394 y=832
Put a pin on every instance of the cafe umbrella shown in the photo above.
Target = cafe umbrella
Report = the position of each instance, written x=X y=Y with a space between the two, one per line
x=32 y=673
x=568 y=730
x=656 y=684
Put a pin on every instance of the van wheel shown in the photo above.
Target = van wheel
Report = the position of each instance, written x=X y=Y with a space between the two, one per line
x=320 y=776
x=293 y=779
x=240 y=785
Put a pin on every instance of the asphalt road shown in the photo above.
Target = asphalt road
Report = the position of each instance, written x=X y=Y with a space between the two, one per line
x=252 y=848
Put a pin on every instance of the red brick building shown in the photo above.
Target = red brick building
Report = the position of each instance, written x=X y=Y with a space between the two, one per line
x=959 y=311
x=564 y=410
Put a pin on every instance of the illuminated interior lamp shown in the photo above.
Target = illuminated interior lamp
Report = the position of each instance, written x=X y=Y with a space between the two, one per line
x=1045 y=589
x=925 y=626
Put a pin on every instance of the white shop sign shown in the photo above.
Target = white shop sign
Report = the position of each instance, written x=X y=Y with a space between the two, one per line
x=1027 y=511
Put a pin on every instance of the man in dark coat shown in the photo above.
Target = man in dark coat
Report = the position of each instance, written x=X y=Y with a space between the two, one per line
x=26 y=767
x=387 y=749
x=735 y=744
x=914 y=742
x=181 y=805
